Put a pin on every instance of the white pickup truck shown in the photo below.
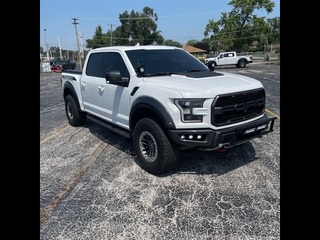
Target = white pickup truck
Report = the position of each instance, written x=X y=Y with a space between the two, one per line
x=228 y=58
x=165 y=100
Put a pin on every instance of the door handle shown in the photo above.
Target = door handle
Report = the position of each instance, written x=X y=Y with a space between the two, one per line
x=101 y=88
x=83 y=84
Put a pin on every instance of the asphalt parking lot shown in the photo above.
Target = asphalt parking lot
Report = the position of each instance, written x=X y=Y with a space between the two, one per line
x=92 y=188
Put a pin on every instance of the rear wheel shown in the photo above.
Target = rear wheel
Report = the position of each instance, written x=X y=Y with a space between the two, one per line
x=241 y=64
x=153 y=148
x=74 y=115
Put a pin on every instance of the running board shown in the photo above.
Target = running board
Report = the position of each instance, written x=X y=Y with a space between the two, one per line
x=110 y=126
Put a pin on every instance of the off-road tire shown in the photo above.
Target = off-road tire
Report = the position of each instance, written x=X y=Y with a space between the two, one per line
x=154 y=150
x=241 y=64
x=213 y=65
x=75 y=116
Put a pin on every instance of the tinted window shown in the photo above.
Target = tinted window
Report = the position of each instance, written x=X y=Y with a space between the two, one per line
x=114 y=62
x=94 y=65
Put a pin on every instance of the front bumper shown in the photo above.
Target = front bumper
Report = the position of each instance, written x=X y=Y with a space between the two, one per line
x=208 y=139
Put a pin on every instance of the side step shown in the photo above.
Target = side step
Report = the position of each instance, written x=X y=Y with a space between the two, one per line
x=110 y=126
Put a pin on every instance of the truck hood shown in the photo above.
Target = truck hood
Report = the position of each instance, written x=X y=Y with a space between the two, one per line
x=207 y=87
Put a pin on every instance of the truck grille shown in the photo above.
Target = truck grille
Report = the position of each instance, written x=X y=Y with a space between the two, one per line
x=236 y=107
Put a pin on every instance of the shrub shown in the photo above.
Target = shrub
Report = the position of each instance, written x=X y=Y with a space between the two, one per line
x=201 y=59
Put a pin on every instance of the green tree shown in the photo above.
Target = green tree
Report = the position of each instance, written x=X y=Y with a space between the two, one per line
x=54 y=52
x=135 y=28
x=99 y=39
x=274 y=24
x=239 y=28
x=170 y=42
x=202 y=45
x=192 y=42
x=138 y=28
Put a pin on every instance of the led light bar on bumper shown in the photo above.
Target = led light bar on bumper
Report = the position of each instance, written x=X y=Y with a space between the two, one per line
x=189 y=109
x=210 y=139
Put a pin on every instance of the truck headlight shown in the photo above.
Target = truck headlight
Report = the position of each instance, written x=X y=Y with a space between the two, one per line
x=187 y=107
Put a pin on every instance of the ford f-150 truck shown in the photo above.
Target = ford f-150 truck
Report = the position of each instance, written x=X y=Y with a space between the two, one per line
x=165 y=100
x=228 y=58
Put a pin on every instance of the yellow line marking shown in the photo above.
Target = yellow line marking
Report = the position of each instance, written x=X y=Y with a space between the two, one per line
x=46 y=212
x=268 y=111
x=48 y=138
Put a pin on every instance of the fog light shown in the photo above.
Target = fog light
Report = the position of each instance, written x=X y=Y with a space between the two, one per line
x=190 y=136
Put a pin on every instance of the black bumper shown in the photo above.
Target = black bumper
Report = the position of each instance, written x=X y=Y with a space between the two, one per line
x=209 y=139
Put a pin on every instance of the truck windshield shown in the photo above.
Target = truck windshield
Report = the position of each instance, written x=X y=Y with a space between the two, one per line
x=164 y=61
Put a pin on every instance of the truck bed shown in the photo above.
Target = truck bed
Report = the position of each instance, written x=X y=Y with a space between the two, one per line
x=78 y=72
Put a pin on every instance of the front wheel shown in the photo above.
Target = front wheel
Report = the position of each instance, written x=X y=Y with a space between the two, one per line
x=153 y=148
x=211 y=65
x=75 y=116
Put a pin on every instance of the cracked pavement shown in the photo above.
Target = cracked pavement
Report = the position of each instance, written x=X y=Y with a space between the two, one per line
x=92 y=188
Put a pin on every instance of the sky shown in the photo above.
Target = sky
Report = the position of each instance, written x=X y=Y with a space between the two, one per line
x=178 y=20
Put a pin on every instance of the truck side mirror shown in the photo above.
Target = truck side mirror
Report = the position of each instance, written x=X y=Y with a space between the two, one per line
x=113 y=76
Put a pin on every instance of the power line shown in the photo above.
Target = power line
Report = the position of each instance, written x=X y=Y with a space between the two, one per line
x=179 y=15
x=162 y=17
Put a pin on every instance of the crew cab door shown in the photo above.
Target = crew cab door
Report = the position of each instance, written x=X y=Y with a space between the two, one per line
x=109 y=101
x=232 y=58
x=227 y=59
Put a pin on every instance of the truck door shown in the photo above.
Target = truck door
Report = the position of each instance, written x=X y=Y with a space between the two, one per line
x=220 y=60
x=227 y=59
x=231 y=58
x=90 y=81
x=113 y=100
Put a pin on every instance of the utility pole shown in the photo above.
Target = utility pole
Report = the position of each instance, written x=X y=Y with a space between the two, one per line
x=59 y=48
x=81 y=46
x=79 y=56
x=111 y=32
x=45 y=38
